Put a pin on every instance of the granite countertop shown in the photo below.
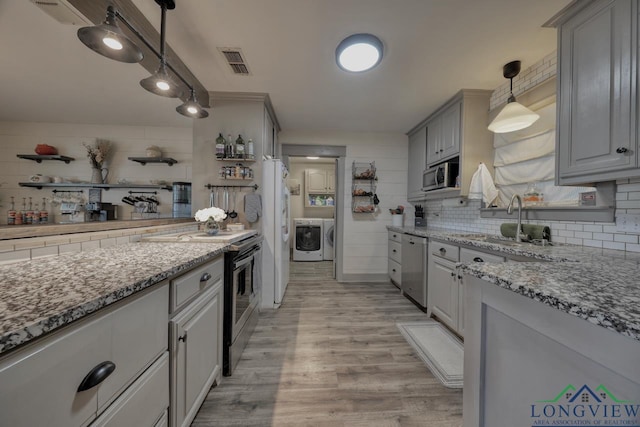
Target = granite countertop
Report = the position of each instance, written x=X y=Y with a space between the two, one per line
x=42 y=295
x=598 y=285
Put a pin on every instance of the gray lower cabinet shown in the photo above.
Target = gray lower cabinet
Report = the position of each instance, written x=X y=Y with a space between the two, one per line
x=526 y=363
x=446 y=285
x=39 y=383
x=597 y=112
x=196 y=340
x=443 y=282
x=395 y=257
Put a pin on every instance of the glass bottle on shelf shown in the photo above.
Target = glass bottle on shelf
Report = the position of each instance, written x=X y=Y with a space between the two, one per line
x=44 y=214
x=29 y=214
x=250 y=153
x=230 y=150
x=11 y=213
x=220 y=146
x=21 y=217
x=35 y=216
x=240 y=147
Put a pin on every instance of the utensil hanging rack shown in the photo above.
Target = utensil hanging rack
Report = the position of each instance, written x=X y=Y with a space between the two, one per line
x=143 y=192
x=67 y=191
x=211 y=186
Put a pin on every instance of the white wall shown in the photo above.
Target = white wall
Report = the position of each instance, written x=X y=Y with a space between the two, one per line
x=128 y=141
x=365 y=239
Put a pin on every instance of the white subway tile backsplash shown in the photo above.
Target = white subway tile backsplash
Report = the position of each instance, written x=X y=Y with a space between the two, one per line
x=603 y=236
x=44 y=252
x=593 y=228
x=626 y=238
x=632 y=247
x=92 y=244
x=592 y=243
x=613 y=245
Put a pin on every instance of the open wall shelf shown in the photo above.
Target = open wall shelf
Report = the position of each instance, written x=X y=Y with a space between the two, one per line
x=40 y=185
x=39 y=158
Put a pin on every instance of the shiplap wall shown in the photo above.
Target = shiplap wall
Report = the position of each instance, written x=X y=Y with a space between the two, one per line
x=365 y=239
x=128 y=141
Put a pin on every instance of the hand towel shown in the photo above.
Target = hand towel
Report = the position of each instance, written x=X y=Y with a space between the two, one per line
x=536 y=232
x=252 y=207
x=482 y=186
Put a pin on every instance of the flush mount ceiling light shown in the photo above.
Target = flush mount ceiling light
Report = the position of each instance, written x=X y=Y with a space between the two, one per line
x=313 y=157
x=359 y=52
x=191 y=108
x=108 y=40
x=514 y=116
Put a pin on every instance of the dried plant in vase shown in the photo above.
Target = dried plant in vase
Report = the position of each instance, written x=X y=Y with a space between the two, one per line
x=98 y=154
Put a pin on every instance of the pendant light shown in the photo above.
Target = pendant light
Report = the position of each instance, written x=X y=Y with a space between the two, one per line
x=108 y=40
x=160 y=83
x=191 y=108
x=513 y=116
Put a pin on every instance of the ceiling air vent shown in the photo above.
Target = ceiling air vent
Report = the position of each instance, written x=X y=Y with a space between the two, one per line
x=235 y=59
x=62 y=11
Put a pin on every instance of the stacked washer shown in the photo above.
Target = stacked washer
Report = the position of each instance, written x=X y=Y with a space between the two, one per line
x=328 y=239
x=308 y=239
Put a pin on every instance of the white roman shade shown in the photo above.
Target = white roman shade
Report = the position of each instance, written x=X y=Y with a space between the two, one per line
x=529 y=156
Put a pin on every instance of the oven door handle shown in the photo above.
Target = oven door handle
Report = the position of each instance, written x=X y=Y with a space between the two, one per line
x=242 y=262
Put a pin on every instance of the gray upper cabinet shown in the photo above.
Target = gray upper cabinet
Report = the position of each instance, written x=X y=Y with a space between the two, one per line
x=443 y=135
x=597 y=93
x=417 y=161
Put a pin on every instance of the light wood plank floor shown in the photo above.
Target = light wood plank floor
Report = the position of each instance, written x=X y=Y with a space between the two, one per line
x=332 y=356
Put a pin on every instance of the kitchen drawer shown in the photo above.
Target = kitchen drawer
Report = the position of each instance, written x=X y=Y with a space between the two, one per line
x=184 y=287
x=395 y=271
x=143 y=403
x=395 y=236
x=470 y=255
x=39 y=383
x=395 y=251
x=444 y=250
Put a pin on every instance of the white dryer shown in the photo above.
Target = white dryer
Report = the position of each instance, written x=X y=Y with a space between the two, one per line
x=308 y=239
x=327 y=245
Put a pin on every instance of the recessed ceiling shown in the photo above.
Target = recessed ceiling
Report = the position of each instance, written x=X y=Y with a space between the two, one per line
x=433 y=48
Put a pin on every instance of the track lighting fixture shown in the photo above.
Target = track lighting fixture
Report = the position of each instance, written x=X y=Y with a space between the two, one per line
x=108 y=40
x=514 y=116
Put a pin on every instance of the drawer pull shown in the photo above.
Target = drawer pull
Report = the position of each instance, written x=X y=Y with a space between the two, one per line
x=453 y=274
x=394 y=251
x=393 y=269
x=205 y=277
x=183 y=338
x=443 y=251
x=478 y=259
x=621 y=150
x=412 y=242
x=97 y=375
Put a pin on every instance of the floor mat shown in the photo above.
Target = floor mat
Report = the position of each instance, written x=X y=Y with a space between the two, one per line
x=440 y=350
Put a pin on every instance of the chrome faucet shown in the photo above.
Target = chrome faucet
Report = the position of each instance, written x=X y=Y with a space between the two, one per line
x=520 y=236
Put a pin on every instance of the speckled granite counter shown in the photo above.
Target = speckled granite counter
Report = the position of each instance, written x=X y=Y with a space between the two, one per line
x=598 y=285
x=39 y=296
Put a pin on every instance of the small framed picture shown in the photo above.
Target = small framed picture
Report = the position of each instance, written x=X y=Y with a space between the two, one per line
x=294 y=187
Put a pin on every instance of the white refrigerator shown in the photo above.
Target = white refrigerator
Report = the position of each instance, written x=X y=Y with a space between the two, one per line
x=276 y=226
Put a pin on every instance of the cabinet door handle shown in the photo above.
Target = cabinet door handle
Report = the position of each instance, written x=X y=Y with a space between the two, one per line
x=443 y=251
x=393 y=269
x=453 y=274
x=412 y=243
x=459 y=277
x=98 y=374
x=621 y=150
x=441 y=150
x=394 y=251
x=183 y=338
x=205 y=277
x=478 y=259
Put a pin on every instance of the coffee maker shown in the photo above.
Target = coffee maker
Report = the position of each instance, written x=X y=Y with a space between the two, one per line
x=182 y=200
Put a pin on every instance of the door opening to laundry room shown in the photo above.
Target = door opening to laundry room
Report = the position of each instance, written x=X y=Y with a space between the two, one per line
x=314 y=184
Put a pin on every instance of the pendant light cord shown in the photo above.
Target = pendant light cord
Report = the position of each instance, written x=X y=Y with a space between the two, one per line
x=161 y=54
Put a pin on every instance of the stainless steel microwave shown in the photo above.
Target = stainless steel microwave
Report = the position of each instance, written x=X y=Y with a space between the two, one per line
x=441 y=176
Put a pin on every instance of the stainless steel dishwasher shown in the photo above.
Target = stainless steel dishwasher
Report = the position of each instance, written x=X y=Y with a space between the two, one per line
x=414 y=268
